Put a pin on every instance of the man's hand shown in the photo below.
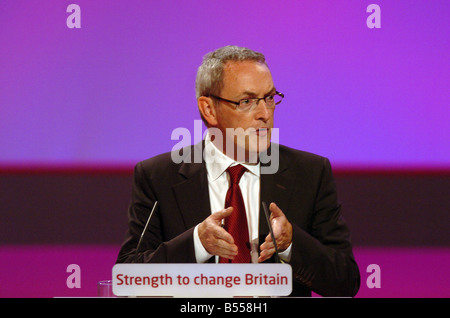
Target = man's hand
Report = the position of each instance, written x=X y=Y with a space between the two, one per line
x=282 y=230
x=213 y=236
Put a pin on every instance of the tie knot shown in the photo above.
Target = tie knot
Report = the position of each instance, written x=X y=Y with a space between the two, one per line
x=236 y=173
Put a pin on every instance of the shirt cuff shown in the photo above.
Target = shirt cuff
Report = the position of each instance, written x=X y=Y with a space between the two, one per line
x=286 y=254
x=201 y=255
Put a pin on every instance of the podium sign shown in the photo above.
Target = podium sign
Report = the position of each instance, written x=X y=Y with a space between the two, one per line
x=202 y=280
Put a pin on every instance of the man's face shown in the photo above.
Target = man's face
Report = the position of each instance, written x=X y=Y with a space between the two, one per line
x=252 y=129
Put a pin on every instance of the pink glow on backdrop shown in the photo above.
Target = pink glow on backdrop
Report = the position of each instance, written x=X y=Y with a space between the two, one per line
x=112 y=91
x=40 y=271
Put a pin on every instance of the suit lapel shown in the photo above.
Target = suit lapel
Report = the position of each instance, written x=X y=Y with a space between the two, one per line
x=192 y=192
x=276 y=187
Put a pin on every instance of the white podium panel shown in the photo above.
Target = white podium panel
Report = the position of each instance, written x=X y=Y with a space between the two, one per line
x=202 y=280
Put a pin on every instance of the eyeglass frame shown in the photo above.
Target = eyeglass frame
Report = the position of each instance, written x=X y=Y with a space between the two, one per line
x=257 y=100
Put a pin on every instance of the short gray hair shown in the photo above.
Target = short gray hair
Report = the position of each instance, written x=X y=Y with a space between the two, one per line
x=209 y=79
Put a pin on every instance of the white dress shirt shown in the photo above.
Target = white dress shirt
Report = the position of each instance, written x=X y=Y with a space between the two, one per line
x=218 y=184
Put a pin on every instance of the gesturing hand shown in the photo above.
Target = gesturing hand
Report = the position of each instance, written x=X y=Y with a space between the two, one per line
x=213 y=236
x=282 y=230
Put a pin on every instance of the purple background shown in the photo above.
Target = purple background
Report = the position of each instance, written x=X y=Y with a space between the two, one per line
x=110 y=94
x=113 y=91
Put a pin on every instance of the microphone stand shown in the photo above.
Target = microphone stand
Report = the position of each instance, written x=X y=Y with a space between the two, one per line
x=266 y=213
x=145 y=229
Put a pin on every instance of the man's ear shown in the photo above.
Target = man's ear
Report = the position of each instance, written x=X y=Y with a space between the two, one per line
x=207 y=109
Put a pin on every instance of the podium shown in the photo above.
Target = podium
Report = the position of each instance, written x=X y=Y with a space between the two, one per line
x=201 y=280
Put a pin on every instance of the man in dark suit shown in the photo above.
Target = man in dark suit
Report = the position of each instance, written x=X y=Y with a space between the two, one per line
x=236 y=99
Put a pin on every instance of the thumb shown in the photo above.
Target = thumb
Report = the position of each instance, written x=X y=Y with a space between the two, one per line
x=222 y=214
x=275 y=210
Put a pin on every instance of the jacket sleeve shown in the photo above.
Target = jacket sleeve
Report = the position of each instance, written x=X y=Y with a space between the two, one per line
x=322 y=258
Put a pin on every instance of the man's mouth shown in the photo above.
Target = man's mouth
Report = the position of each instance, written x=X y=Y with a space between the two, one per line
x=262 y=131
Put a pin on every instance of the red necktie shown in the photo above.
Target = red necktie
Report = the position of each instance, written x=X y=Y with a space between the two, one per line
x=236 y=223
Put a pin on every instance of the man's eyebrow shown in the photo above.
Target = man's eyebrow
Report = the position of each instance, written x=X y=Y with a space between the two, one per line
x=272 y=91
x=254 y=95
x=249 y=94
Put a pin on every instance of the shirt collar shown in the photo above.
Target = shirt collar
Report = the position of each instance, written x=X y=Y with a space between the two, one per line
x=217 y=162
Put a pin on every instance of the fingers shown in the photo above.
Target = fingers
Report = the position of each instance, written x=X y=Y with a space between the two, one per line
x=282 y=230
x=214 y=238
x=224 y=249
x=267 y=249
x=220 y=233
x=224 y=241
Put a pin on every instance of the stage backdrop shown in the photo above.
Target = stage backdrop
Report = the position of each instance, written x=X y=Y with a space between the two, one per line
x=113 y=90
x=89 y=88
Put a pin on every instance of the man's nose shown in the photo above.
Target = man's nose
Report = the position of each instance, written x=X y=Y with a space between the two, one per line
x=261 y=110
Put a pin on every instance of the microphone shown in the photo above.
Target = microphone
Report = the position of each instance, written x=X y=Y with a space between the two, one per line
x=266 y=213
x=145 y=229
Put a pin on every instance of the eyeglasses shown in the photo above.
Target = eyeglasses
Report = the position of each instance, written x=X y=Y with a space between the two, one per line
x=249 y=104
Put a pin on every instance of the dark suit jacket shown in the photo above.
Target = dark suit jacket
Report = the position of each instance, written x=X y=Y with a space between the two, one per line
x=304 y=189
